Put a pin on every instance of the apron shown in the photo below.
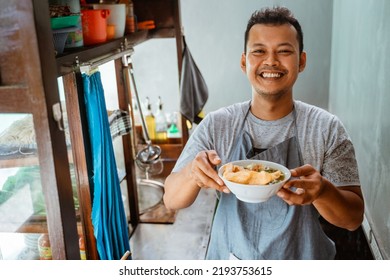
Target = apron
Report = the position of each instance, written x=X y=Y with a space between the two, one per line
x=271 y=229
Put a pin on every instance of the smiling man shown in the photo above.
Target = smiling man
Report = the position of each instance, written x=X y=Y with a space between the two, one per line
x=272 y=126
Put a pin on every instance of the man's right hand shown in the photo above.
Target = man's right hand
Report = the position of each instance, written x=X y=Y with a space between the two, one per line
x=203 y=171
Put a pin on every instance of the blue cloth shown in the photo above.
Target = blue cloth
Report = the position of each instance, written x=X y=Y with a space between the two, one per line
x=108 y=214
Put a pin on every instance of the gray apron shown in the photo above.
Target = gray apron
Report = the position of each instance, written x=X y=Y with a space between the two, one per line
x=271 y=229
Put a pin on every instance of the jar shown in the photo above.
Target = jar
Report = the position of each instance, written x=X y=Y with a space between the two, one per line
x=44 y=247
x=83 y=255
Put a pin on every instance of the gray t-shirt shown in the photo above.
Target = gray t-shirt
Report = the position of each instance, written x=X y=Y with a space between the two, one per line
x=323 y=140
x=273 y=229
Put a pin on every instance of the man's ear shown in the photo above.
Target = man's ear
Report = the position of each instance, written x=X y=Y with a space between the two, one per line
x=243 y=62
x=302 y=62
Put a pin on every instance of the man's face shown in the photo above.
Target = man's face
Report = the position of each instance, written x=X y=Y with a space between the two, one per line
x=272 y=61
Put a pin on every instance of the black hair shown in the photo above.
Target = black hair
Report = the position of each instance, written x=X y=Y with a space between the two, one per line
x=274 y=16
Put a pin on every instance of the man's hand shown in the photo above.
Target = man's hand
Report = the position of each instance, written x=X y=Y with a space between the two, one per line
x=203 y=171
x=308 y=184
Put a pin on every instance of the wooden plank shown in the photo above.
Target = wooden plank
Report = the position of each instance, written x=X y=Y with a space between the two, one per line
x=15 y=99
x=124 y=100
x=20 y=160
x=52 y=150
x=77 y=128
x=66 y=62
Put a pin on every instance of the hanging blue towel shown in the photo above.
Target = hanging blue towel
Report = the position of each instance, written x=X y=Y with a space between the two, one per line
x=108 y=214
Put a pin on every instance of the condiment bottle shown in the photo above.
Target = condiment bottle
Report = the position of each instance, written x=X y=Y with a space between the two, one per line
x=44 y=247
x=130 y=17
x=150 y=120
x=174 y=133
x=161 y=123
x=83 y=255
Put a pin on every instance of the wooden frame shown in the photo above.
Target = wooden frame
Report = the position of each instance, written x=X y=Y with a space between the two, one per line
x=32 y=88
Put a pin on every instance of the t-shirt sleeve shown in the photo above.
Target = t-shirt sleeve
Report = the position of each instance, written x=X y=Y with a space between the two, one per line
x=340 y=165
x=197 y=142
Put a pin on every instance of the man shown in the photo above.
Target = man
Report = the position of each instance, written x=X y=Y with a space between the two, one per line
x=272 y=126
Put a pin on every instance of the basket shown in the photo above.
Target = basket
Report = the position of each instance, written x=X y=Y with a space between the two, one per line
x=63 y=22
x=59 y=38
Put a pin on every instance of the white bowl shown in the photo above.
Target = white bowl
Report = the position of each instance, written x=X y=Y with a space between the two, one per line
x=255 y=193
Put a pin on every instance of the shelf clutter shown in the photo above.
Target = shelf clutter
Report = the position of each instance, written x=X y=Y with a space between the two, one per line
x=162 y=127
x=86 y=23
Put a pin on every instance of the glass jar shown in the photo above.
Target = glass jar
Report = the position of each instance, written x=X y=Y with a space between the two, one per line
x=44 y=247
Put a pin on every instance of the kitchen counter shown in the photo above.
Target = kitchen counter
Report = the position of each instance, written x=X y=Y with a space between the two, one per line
x=185 y=239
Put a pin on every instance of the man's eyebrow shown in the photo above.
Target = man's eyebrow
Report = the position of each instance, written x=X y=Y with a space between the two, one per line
x=257 y=45
x=279 y=45
x=287 y=44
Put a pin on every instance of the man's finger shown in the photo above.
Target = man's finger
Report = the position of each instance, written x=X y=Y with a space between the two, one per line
x=211 y=173
x=213 y=157
x=302 y=170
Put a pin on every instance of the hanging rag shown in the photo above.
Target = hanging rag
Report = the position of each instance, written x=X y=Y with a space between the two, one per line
x=108 y=213
x=120 y=123
x=193 y=89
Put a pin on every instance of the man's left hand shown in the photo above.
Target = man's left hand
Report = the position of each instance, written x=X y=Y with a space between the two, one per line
x=305 y=186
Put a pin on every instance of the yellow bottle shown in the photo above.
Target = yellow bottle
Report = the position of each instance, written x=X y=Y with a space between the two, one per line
x=161 y=124
x=150 y=120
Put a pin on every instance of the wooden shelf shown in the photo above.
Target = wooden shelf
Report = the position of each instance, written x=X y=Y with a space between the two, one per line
x=19 y=160
x=32 y=88
x=67 y=60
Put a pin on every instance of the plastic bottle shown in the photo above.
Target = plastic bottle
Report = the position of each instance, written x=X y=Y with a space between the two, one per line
x=150 y=120
x=174 y=133
x=161 y=123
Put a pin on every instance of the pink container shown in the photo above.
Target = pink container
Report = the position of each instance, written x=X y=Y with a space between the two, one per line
x=94 y=23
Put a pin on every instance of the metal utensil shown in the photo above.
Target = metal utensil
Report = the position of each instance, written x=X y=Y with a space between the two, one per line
x=151 y=153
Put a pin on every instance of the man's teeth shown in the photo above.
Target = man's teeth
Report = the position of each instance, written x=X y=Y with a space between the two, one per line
x=271 y=75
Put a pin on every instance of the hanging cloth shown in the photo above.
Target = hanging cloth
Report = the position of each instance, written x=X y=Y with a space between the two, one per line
x=193 y=88
x=108 y=214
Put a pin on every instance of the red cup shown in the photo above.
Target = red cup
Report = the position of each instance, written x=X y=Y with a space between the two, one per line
x=94 y=23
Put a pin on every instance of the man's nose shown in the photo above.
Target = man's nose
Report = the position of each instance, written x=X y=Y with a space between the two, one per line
x=271 y=60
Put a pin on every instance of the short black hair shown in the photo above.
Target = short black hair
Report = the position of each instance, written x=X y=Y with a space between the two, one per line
x=274 y=16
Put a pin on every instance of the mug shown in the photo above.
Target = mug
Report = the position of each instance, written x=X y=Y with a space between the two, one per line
x=94 y=24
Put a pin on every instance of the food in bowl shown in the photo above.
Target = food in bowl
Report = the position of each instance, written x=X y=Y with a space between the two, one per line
x=252 y=174
x=241 y=179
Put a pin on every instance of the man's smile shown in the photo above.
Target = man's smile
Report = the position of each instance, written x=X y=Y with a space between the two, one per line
x=271 y=74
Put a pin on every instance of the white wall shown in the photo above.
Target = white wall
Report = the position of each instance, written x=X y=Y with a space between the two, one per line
x=360 y=97
x=214 y=33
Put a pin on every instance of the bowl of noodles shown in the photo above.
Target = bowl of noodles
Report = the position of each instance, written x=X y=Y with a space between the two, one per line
x=254 y=181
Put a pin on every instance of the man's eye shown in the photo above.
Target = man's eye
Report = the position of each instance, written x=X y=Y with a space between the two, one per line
x=258 y=51
x=285 y=51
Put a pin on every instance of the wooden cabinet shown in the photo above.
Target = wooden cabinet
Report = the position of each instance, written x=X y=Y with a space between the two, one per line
x=29 y=70
x=24 y=89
